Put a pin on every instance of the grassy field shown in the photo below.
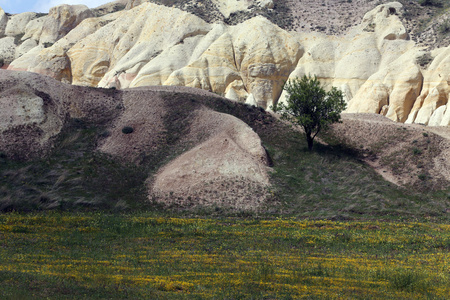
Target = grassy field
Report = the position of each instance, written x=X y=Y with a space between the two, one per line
x=78 y=256
x=333 y=230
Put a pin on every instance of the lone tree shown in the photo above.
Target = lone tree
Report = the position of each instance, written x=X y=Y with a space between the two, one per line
x=308 y=105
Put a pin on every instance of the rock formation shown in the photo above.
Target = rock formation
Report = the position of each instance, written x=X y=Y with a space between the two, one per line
x=217 y=152
x=375 y=64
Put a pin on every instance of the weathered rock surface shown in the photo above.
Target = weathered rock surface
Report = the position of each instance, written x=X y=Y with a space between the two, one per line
x=7 y=50
x=218 y=152
x=375 y=64
x=60 y=20
x=3 y=22
x=17 y=24
x=35 y=108
x=225 y=169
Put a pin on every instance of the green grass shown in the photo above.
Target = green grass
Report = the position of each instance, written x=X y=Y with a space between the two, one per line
x=143 y=256
x=94 y=235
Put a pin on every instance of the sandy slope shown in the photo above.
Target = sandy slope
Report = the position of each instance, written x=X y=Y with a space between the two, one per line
x=405 y=154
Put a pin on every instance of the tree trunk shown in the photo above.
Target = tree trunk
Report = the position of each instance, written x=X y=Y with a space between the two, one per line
x=310 y=140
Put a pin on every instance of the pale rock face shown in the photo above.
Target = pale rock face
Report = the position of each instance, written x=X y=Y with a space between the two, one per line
x=266 y=3
x=227 y=7
x=384 y=22
x=264 y=63
x=232 y=153
x=62 y=19
x=26 y=120
x=7 y=50
x=393 y=89
x=27 y=109
x=435 y=92
x=18 y=23
x=236 y=91
x=130 y=42
x=25 y=47
x=34 y=28
x=54 y=61
x=3 y=22
x=167 y=68
x=374 y=64
x=260 y=64
x=133 y=3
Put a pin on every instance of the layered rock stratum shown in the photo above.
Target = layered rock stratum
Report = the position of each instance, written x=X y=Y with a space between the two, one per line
x=380 y=64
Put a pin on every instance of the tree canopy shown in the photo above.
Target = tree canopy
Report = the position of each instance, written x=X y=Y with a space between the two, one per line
x=310 y=106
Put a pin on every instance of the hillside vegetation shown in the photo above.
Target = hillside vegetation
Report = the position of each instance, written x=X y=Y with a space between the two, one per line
x=332 y=182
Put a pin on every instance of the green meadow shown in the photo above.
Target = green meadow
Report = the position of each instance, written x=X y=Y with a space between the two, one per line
x=140 y=256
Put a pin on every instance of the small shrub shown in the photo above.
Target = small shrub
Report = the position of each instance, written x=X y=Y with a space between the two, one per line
x=105 y=134
x=47 y=45
x=416 y=151
x=444 y=28
x=435 y=3
x=18 y=39
x=425 y=134
x=127 y=130
x=370 y=27
x=422 y=176
x=424 y=60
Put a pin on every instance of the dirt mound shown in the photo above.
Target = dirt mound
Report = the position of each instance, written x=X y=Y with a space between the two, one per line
x=405 y=154
x=215 y=159
x=228 y=169
x=210 y=156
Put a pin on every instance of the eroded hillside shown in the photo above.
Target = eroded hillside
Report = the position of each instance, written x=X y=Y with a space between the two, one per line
x=376 y=58
x=73 y=147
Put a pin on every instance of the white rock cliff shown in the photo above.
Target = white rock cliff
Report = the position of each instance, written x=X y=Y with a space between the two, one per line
x=376 y=65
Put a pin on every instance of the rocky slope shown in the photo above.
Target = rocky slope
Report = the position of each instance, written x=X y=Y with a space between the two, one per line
x=375 y=63
x=65 y=146
x=210 y=153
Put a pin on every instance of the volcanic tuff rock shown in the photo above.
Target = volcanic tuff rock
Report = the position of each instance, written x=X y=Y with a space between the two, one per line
x=375 y=64
x=217 y=150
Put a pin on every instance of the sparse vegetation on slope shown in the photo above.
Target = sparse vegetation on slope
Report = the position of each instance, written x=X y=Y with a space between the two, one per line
x=332 y=182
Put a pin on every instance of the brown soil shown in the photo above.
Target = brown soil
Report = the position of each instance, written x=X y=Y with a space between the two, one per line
x=405 y=154
x=203 y=156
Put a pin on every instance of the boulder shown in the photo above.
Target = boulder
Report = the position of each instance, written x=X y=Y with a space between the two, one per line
x=25 y=47
x=3 y=22
x=62 y=19
x=7 y=50
x=18 y=23
x=28 y=119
